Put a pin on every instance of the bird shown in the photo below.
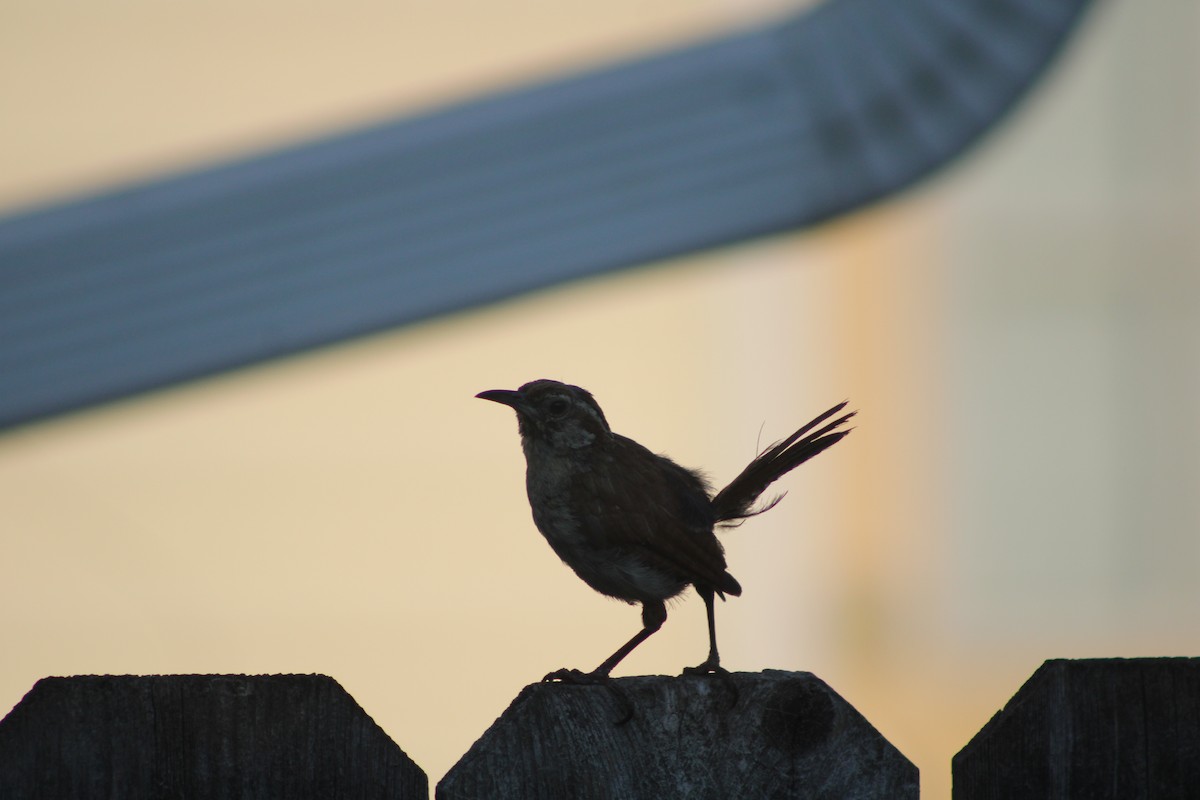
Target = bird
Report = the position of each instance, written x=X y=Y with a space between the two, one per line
x=635 y=525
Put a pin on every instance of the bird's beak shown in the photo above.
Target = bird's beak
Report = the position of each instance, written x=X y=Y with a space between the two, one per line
x=503 y=396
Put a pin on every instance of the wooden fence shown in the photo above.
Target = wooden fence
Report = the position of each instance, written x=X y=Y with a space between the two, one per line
x=1096 y=729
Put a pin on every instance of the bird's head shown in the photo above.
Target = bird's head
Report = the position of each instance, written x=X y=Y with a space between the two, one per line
x=553 y=413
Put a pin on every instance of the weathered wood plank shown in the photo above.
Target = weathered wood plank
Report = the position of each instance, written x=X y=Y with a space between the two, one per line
x=785 y=735
x=211 y=736
x=1100 y=729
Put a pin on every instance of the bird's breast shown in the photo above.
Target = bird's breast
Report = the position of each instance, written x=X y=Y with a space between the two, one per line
x=548 y=482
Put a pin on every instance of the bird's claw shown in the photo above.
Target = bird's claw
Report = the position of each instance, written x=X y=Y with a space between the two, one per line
x=575 y=677
x=709 y=668
x=578 y=678
x=706 y=668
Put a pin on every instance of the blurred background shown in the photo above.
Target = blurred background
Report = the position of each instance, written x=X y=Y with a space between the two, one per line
x=1020 y=335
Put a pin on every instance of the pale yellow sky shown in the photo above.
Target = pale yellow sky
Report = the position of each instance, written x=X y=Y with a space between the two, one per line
x=355 y=512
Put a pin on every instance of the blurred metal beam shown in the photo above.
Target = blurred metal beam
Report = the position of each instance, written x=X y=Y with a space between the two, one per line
x=759 y=132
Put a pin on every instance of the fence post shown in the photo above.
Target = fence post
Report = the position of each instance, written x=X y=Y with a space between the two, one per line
x=782 y=734
x=276 y=736
x=1101 y=729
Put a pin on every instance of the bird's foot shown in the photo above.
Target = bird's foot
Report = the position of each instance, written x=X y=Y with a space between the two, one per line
x=714 y=668
x=579 y=678
x=576 y=677
x=709 y=667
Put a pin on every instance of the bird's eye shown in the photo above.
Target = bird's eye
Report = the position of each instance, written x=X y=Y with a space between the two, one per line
x=557 y=407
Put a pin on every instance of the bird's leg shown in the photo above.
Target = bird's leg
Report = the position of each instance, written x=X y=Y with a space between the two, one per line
x=712 y=664
x=654 y=614
x=653 y=617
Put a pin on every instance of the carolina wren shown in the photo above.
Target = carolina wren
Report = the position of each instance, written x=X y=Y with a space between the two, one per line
x=632 y=524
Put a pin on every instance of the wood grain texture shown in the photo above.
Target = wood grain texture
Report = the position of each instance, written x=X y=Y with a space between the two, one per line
x=788 y=735
x=213 y=736
x=1101 y=729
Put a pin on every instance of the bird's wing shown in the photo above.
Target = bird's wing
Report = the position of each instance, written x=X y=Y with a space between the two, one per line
x=650 y=504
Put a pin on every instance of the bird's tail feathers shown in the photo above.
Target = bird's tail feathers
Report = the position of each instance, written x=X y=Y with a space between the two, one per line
x=735 y=502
